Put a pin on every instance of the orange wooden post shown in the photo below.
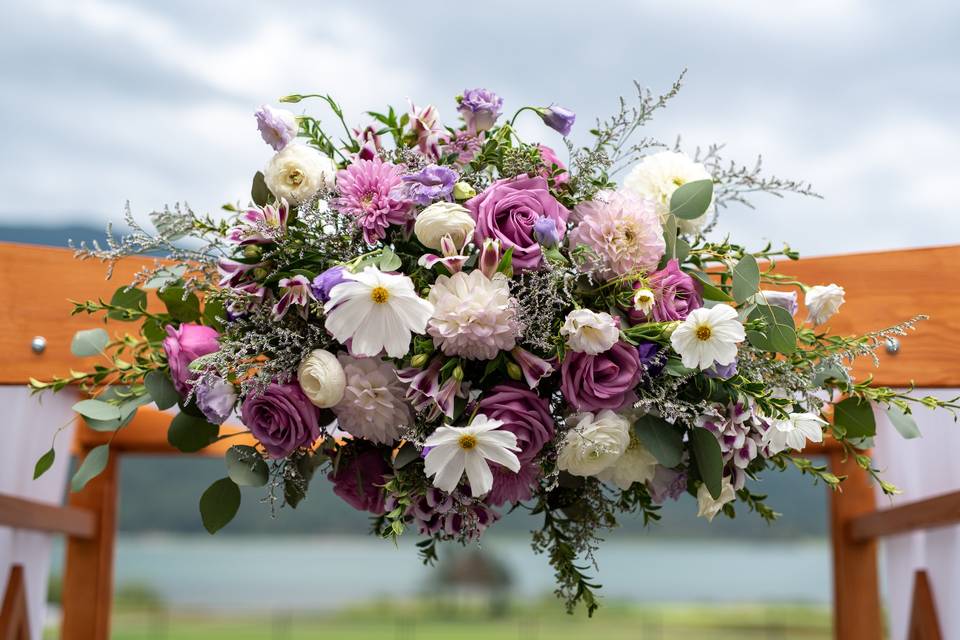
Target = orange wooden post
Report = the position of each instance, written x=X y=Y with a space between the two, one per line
x=88 y=579
x=856 y=589
x=14 y=621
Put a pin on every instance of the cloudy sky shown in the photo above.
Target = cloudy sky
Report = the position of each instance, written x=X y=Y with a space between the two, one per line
x=106 y=101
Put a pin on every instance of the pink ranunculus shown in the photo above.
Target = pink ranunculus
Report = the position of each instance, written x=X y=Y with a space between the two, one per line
x=675 y=294
x=359 y=479
x=523 y=413
x=508 y=209
x=604 y=381
x=549 y=157
x=183 y=345
x=281 y=418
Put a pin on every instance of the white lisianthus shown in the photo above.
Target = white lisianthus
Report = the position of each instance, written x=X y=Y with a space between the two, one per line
x=659 y=175
x=298 y=172
x=636 y=464
x=443 y=219
x=454 y=450
x=822 y=302
x=321 y=378
x=707 y=507
x=794 y=432
x=594 y=442
x=590 y=332
x=643 y=300
x=708 y=337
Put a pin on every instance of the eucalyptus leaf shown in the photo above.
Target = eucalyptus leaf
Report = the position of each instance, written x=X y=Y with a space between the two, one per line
x=709 y=290
x=161 y=389
x=903 y=422
x=91 y=467
x=246 y=466
x=165 y=276
x=709 y=458
x=405 y=455
x=691 y=200
x=779 y=335
x=44 y=463
x=219 y=504
x=259 y=192
x=109 y=425
x=97 y=410
x=662 y=439
x=128 y=298
x=746 y=278
x=184 y=309
x=190 y=434
x=856 y=418
x=389 y=261
x=669 y=239
x=89 y=342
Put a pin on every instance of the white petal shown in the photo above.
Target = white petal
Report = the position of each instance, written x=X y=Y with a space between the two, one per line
x=443 y=435
x=346 y=291
x=439 y=457
x=500 y=455
x=449 y=476
x=478 y=474
x=343 y=321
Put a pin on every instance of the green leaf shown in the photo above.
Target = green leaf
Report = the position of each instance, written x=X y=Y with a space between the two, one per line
x=682 y=250
x=97 y=409
x=213 y=309
x=669 y=239
x=184 y=310
x=153 y=330
x=90 y=342
x=709 y=290
x=164 y=276
x=44 y=463
x=190 y=434
x=505 y=265
x=856 y=418
x=246 y=466
x=662 y=439
x=779 y=336
x=746 y=278
x=691 y=200
x=706 y=450
x=407 y=454
x=834 y=371
x=127 y=298
x=161 y=389
x=110 y=425
x=903 y=422
x=91 y=467
x=389 y=260
x=219 y=504
x=259 y=192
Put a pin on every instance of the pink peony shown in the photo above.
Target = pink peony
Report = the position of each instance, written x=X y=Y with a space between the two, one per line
x=372 y=192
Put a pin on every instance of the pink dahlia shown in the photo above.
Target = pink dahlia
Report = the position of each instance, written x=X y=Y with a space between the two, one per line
x=623 y=232
x=372 y=192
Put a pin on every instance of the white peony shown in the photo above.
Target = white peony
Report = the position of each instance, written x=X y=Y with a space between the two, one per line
x=707 y=507
x=822 y=302
x=321 y=378
x=298 y=172
x=659 y=175
x=794 y=432
x=473 y=315
x=590 y=332
x=373 y=405
x=593 y=443
x=708 y=336
x=636 y=464
x=443 y=219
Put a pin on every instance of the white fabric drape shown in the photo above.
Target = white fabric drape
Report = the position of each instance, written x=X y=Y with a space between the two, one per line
x=28 y=426
x=922 y=468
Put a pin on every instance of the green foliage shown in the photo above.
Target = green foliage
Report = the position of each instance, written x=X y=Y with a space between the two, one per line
x=259 y=193
x=778 y=333
x=662 y=439
x=191 y=433
x=91 y=467
x=129 y=303
x=97 y=410
x=246 y=467
x=709 y=459
x=161 y=389
x=219 y=504
x=44 y=463
x=182 y=306
x=690 y=200
x=90 y=342
x=709 y=289
x=903 y=421
x=746 y=278
x=855 y=417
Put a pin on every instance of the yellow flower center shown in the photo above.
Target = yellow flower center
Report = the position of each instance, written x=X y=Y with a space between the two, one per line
x=295 y=177
x=704 y=332
x=678 y=182
x=467 y=441
x=379 y=295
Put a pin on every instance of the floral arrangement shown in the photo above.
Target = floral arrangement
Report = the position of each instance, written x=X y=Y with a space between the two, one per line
x=450 y=322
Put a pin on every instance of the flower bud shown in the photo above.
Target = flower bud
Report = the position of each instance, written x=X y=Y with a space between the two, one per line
x=545 y=231
x=558 y=118
x=514 y=371
x=490 y=257
x=252 y=251
x=458 y=373
x=463 y=191
x=322 y=378
x=443 y=219
x=419 y=360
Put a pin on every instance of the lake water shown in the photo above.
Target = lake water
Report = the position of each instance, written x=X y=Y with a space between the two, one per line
x=317 y=573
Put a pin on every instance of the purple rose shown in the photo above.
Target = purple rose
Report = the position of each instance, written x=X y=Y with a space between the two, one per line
x=675 y=294
x=216 y=398
x=603 y=381
x=431 y=183
x=523 y=413
x=510 y=487
x=323 y=283
x=549 y=158
x=281 y=418
x=558 y=118
x=183 y=345
x=359 y=479
x=507 y=211
x=666 y=483
x=785 y=299
x=480 y=108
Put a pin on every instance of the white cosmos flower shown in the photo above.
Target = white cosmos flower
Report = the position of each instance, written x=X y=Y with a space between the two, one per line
x=659 y=175
x=378 y=311
x=594 y=442
x=794 y=432
x=822 y=302
x=590 y=332
x=707 y=506
x=454 y=450
x=708 y=336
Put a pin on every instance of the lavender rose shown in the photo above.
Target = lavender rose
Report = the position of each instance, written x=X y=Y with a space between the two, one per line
x=508 y=210
x=523 y=413
x=603 y=381
x=676 y=295
x=358 y=480
x=183 y=345
x=282 y=418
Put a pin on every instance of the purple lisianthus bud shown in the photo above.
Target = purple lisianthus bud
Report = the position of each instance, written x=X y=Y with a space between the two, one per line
x=602 y=381
x=666 y=483
x=523 y=413
x=359 y=478
x=431 y=183
x=651 y=358
x=323 y=283
x=480 y=108
x=281 y=418
x=277 y=126
x=785 y=299
x=558 y=118
x=183 y=345
x=216 y=398
x=545 y=231
x=721 y=371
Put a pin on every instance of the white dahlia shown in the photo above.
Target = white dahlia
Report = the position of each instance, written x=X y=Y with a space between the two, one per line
x=659 y=175
x=373 y=405
x=473 y=315
x=622 y=231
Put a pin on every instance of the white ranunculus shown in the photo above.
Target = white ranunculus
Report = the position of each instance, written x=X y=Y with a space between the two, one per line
x=822 y=302
x=636 y=464
x=321 y=378
x=590 y=332
x=594 y=442
x=707 y=506
x=298 y=172
x=660 y=174
x=443 y=219
x=794 y=433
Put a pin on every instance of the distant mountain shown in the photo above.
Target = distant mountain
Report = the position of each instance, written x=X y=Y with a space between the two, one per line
x=52 y=236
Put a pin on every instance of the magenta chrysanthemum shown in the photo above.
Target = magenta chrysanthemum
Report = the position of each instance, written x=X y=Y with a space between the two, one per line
x=623 y=232
x=372 y=192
